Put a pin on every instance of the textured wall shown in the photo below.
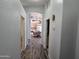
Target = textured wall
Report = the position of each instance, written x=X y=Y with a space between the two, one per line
x=10 y=11
x=69 y=29
x=55 y=8
x=77 y=41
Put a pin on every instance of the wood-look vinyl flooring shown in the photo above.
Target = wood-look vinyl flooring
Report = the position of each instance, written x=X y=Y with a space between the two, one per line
x=34 y=50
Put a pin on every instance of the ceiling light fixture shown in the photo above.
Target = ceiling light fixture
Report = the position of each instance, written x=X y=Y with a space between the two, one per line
x=60 y=1
x=36 y=0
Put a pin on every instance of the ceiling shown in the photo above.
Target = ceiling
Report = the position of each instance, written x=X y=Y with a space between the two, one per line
x=33 y=2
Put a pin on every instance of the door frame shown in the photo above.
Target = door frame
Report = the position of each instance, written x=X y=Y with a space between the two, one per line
x=47 y=32
x=22 y=33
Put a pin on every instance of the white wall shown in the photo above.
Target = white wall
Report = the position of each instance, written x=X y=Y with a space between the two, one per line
x=62 y=41
x=69 y=29
x=77 y=41
x=65 y=35
x=10 y=11
x=55 y=36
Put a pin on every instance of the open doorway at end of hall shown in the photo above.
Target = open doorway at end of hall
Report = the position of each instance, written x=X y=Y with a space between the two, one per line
x=36 y=25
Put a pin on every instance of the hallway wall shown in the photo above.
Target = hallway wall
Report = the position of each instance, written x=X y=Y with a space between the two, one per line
x=55 y=8
x=77 y=41
x=69 y=29
x=10 y=11
x=62 y=41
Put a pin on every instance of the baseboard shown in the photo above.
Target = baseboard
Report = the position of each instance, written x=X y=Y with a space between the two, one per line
x=49 y=57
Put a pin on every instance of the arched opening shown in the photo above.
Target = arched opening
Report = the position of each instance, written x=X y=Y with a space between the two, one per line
x=36 y=24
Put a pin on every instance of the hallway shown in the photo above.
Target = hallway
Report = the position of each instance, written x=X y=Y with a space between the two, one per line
x=34 y=50
x=59 y=29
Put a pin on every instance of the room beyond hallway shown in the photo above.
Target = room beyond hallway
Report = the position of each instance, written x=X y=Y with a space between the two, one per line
x=34 y=50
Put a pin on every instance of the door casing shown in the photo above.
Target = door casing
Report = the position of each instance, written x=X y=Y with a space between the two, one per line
x=22 y=33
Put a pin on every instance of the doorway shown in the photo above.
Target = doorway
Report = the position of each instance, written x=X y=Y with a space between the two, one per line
x=22 y=33
x=47 y=34
x=34 y=48
x=36 y=24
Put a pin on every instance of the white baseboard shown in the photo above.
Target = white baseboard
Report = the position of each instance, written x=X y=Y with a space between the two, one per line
x=49 y=57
